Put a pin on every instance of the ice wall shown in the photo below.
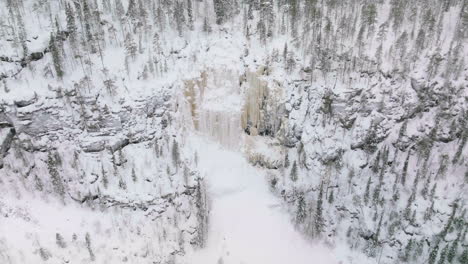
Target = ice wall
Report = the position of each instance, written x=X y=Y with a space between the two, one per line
x=262 y=111
x=214 y=102
x=251 y=114
x=222 y=104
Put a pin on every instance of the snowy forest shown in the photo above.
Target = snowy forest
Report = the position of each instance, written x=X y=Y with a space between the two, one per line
x=234 y=131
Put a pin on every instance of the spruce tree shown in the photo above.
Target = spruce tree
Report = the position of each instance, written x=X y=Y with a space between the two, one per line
x=319 y=222
x=119 y=9
x=179 y=17
x=405 y=170
x=131 y=48
x=379 y=226
x=367 y=192
x=56 y=56
x=463 y=259
x=134 y=177
x=88 y=246
x=122 y=184
x=433 y=255
x=408 y=250
x=331 y=197
x=175 y=154
x=57 y=181
x=222 y=10
x=452 y=252
x=71 y=24
x=443 y=255
x=293 y=174
x=105 y=180
x=301 y=209
x=206 y=26
x=286 y=160
x=202 y=217
x=132 y=10
x=60 y=241
x=142 y=13
x=88 y=29
x=261 y=30
x=190 y=14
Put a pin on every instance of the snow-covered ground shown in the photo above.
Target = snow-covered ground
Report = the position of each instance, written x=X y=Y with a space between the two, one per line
x=247 y=223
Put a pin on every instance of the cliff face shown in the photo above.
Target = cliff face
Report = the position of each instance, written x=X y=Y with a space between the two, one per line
x=117 y=174
x=373 y=165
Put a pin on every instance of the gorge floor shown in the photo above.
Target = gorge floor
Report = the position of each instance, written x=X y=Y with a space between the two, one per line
x=247 y=223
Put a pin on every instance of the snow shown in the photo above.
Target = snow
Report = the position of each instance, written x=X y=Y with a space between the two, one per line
x=247 y=223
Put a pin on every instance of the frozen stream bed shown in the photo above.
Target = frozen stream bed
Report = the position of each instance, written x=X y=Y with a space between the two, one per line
x=247 y=223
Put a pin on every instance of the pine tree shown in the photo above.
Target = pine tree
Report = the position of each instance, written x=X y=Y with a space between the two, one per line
x=382 y=33
x=179 y=17
x=22 y=33
x=134 y=177
x=202 y=217
x=376 y=193
x=88 y=246
x=378 y=55
x=132 y=10
x=161 y=17
x=319 y=222
x=88 y=30
x=286 y=160
x=190 y=14
x=71 y=24
x=405 y=170
x=57 y=181
x=331 y=197
x=290 y=62
x=145 y=72
x=122 y=184
x=429 y=211
x=142 y=13
x=443 y=255
x=261 y=30
x=206 y=26
x=453 y=249
x=301 y=210
x=222 y=10
x=433 y=255
x=408 y=207
x=367 y=192
x=60 y=241
x=379 y=226
x=38 y=183
x=463 y=257
x=105 y=180
x=119 y=9
x=285 y=52
x=56 y=56
x=293 y=174
x=407 y=251
x=294 y=16
x=420 y=41
x=369 y=15
x=175 y=154
x=130 y=47
x=270 y=17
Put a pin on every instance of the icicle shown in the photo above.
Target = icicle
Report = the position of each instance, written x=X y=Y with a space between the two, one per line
x=214 y=103
x=251 y=114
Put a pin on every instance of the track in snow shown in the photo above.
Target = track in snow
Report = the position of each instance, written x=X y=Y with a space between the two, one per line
x=246 y=223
